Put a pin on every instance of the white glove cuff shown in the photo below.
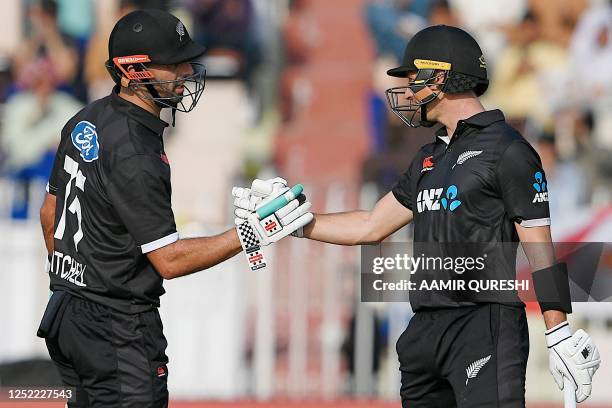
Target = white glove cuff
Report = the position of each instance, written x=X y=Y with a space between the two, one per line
x=557 y=334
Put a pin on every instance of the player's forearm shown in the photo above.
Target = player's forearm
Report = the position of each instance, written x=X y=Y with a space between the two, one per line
x=47 y=218
x=553 y=318
x=347 y=228
x=187 y=256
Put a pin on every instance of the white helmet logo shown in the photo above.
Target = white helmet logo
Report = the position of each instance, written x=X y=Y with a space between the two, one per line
x=180 y=29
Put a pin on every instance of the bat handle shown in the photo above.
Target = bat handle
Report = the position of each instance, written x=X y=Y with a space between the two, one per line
x=280 y=202
x=569 y=393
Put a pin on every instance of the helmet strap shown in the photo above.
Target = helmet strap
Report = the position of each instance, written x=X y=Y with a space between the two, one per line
x=424 y=122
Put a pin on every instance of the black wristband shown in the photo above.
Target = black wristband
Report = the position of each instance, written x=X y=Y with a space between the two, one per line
x=552 y=288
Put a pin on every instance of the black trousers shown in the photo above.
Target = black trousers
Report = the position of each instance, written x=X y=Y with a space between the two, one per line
x=465 y=357
x=112 y=359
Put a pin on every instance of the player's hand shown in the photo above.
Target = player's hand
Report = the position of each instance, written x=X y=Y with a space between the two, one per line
x=271 y=227
x=247 y=200
x=573 y=356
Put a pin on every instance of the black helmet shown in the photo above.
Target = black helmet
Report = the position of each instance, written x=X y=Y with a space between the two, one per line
x=156 y=37
x=438 y=48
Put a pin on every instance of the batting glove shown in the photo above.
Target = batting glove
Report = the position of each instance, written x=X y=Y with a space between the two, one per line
x=247 y=200
x=575 y=357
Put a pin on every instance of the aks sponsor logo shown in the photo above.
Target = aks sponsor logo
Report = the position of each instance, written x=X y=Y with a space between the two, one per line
x=473 y=369
x=434 y=199
x=428 y=164
x=465 y=156
x=85 y=139
x=541 y=195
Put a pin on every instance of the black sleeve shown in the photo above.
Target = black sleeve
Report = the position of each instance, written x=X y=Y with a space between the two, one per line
x=402 y=189
x=58 y=164
x=139 y=189
x=522 y=183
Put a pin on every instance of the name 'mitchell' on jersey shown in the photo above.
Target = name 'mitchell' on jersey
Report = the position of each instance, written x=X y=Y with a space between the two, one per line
x=472 y=188
x=111 y=179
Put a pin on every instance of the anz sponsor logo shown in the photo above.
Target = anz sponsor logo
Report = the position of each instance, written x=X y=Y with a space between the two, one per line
x=434 y=199
x=541 y=195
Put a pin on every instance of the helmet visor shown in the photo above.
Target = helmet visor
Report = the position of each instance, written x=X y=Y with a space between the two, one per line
x=407 y=101
x=181 y=94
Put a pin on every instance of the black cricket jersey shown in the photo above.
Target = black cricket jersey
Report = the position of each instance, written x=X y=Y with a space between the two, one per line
x=471 y=189
x=111 y=179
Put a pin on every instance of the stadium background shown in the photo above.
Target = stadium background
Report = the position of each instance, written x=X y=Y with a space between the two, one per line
x=296 y=88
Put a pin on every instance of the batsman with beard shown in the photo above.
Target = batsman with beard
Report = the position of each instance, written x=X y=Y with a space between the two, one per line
x=109 y=227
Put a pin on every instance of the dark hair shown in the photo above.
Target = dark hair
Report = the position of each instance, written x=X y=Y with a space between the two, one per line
x=49 y=7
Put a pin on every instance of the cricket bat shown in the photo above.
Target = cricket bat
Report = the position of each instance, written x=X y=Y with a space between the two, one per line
x=568 y=393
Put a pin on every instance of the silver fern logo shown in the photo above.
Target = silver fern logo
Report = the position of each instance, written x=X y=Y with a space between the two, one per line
x=180 y=30
x=473 y=369
x=465 y=156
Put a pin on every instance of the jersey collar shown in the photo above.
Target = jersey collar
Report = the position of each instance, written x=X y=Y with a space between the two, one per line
x=479 y=120
x=137 y=113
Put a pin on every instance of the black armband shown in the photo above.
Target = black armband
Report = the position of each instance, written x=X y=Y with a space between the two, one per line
x=552 y=288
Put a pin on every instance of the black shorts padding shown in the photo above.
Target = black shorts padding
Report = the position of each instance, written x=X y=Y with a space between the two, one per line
x=112 y=359
x=465 y=357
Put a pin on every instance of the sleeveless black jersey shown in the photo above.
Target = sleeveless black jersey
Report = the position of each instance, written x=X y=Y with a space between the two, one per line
x=111 y=179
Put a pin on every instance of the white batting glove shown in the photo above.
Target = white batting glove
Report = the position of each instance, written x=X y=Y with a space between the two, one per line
x=575 y=357
x=282 y=223
x=261 y=192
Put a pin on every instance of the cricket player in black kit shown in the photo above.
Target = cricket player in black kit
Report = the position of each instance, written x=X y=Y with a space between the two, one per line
x=481 y=182
x=109 y=227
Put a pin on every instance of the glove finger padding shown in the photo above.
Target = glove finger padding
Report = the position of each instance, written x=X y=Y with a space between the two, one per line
x=247 y=203
x=271 y=229
x=300 y=222
x=240 y=192
x=296 y=213
x=283 y=212
x=241 y=213
x=264 y=188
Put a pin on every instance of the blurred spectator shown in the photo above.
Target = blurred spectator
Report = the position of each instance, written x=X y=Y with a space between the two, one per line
x=567 y=182
x=96 y=75
x=76 y=18
x=485 y=21
x=300 y=34
x=31 y=132
x=46 y=41
x=441 y=13
x=227 y=28
x=591 y=51
x=392 y=24
x=557 y=19
x=591 y=46
x=517 y=85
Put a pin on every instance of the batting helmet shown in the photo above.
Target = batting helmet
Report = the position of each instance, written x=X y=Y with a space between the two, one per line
x=156 y=37
x=433 y=51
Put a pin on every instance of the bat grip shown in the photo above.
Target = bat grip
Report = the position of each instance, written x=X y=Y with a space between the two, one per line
x=280 y=202
x=568 y=393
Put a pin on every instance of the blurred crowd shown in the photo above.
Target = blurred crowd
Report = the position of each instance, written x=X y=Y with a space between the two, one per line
x=550 y=66
x=58 y=66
